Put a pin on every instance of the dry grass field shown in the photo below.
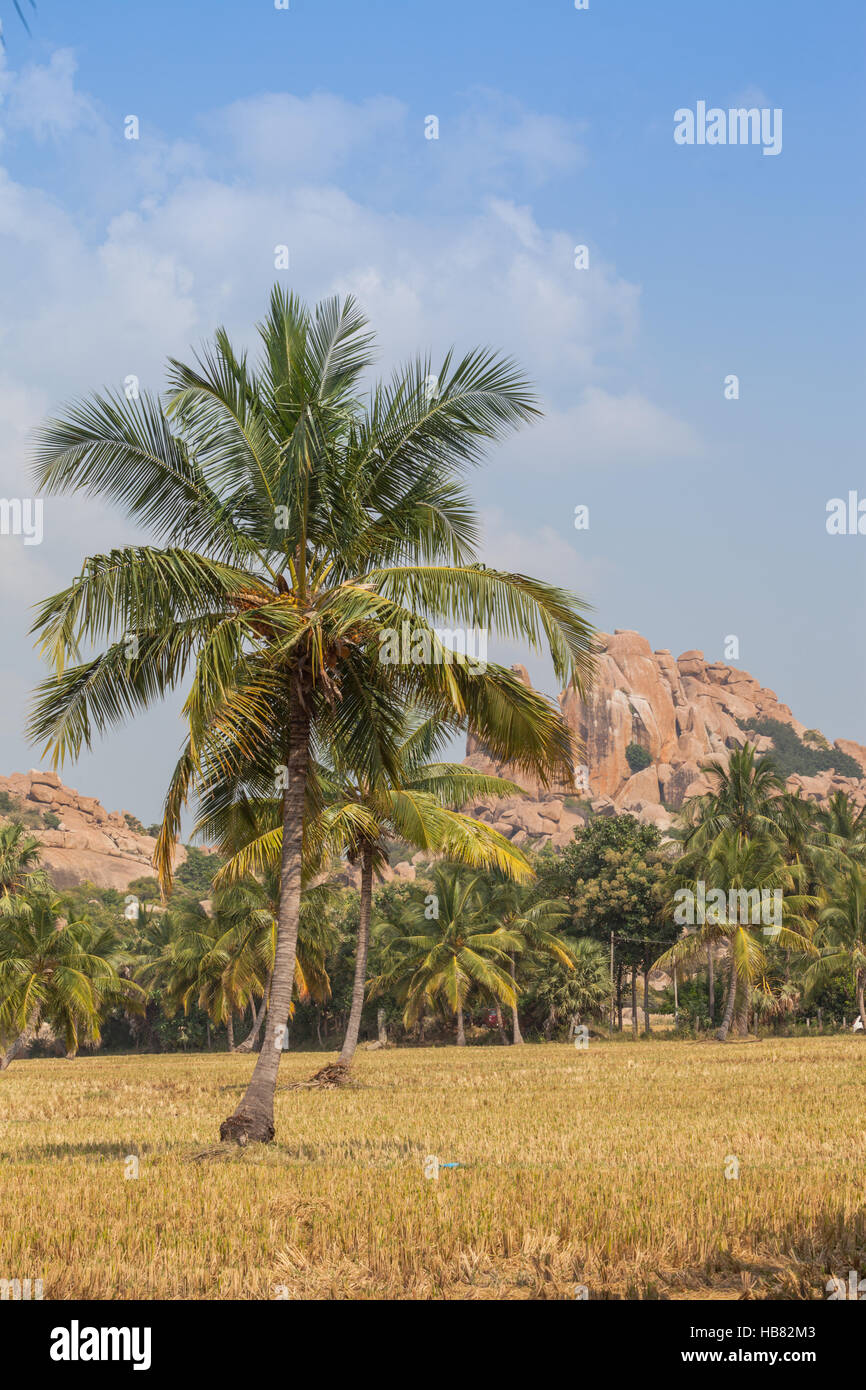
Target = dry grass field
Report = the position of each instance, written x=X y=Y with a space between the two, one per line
x=604 y=1168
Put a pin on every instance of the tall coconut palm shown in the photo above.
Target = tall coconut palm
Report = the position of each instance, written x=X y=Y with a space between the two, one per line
x=452 y=951
x=302 y=527
x=734 y=864
x=361 y=818
x=55 y=971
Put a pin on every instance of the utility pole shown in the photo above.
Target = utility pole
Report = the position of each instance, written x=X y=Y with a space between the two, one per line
x=676 y=1000
x=611 y=983
x=712 y=983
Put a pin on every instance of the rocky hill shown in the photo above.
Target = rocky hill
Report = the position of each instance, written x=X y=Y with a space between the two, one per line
x=646 y=707
x=81 y=841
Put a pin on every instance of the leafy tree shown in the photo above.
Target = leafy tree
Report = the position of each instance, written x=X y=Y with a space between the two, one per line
x=614 y=875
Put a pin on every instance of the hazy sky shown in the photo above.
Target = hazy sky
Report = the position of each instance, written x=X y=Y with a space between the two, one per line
x=306 y=127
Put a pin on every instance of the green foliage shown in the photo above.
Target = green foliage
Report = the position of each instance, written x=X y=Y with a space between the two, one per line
x=815 y=736
x=50 y=820
x=145 y=889
x=134 y=823
x=195 y=877
x=791 y=755
x=637 y=757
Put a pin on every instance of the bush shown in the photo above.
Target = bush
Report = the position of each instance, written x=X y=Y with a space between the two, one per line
x=637 y=757
x=196 y=875
x=791 y=754
x=50 y=821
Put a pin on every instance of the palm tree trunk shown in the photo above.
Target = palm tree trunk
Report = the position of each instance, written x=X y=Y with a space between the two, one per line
x=646 y=974
x=723 y=1031
x=516 y=1035
x=350 y=1042
x=634 y=1002
x=461 y=1036
x=861 y=989
x=254 y=1116
x=230 y=1030
x=252 y=1036
x=500 y=1025
x=742 y=1010
x=21 y=1043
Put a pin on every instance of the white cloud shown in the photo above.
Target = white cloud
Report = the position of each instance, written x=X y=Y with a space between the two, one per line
x=604 y=430
x=44 y=101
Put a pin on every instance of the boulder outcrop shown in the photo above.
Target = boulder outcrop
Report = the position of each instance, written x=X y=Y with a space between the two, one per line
x=81 y=841
x=681 y=711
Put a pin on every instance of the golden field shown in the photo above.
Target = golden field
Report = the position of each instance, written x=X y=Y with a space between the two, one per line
x=603 y=1168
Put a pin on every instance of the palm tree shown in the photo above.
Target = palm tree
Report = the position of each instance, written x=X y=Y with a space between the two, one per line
x=21 y=16
x=734 y=864
x=64 y=973
x=843 y=826
x=19 y=862
x=842 y=935
x=361 y=818
x=745 y=798
x=534 y=925
x=579 y=990
x=451 y=953
x=248 y=907
x=302 y=529
x=223 y=960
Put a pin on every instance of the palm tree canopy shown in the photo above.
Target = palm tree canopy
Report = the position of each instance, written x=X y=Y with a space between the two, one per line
x=300 y=520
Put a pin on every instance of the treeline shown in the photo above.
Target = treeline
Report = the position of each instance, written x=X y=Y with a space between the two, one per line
x=465 y=954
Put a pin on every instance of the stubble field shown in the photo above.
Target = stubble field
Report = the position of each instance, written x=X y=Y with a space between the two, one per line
x=602 y=1170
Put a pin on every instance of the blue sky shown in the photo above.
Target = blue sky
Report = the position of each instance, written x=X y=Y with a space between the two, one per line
x=306 y=127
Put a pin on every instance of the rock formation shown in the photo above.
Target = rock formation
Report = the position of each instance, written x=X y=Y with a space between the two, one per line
x=682 y=712
x=89 y=844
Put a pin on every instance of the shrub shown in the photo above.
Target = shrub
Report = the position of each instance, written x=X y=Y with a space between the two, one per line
x=637 y=757
x=791 y=754
x=50 y=820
